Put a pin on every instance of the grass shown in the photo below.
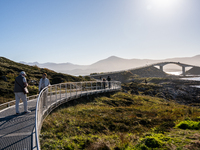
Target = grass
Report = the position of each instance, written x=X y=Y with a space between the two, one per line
x=120 y=121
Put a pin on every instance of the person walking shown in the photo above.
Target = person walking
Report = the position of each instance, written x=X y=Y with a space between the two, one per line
x=109 y=79
x=44 y=82
x=104 y=83
x=20 y=84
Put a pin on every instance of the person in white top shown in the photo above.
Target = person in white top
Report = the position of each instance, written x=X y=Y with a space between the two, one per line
x=44 y=82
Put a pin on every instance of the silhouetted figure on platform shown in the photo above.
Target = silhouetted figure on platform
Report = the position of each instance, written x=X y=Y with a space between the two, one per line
x=109 y=79
x=104 y=83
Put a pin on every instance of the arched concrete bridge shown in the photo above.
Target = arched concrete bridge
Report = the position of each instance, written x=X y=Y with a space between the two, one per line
x=162 y=64
x=21 y=132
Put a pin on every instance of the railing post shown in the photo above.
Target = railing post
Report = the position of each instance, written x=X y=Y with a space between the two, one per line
x=70 y=90
x=81 y=88
x=50 y=93
x=91 y=87
x=66 y=91
x=60 y=91
x=56 y=93
x=76 y=88
x=101 y=86
x=86 y=88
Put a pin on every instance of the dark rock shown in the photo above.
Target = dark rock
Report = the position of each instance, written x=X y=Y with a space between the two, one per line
x=134 y=92
x=4 y=78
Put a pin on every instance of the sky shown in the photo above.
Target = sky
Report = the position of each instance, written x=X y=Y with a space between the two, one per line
x=85 y=31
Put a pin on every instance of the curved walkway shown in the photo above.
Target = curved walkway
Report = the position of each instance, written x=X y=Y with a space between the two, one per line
x=17 y=132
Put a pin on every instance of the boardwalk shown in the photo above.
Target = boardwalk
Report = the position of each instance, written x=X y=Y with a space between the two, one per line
x=17 y=132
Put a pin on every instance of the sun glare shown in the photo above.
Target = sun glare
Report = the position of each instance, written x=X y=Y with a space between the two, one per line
x=162 y=4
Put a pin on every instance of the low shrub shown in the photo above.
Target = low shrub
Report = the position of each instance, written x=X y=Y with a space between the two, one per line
x=188 y=124
x=153 y=141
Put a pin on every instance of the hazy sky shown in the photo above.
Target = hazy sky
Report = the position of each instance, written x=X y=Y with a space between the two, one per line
x=85 y=31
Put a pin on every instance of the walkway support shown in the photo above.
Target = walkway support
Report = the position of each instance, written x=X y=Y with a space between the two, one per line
x=161 y=67
x=53 y=96
x=183 y=70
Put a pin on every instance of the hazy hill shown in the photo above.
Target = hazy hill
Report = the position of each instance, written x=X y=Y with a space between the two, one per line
x=114 y=63
x=10 y=69
x=126 y=76
x=194 y=71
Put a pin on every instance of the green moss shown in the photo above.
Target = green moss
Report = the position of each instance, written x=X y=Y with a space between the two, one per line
x=188 y=124
x=154 y=141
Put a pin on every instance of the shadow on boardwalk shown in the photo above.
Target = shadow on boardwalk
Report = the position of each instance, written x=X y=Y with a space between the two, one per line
x=16 y=130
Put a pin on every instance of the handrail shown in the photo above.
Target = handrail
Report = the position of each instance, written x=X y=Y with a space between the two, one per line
x=8 y=104
x=53 y=96
x=36 y=121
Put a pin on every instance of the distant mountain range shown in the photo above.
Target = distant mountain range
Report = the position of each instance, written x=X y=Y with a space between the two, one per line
x=114 y=63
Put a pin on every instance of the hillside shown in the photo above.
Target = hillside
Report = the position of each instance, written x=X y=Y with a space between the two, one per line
x=10 y=69
x=125 y=76
x=193 y=71
x=122 y=121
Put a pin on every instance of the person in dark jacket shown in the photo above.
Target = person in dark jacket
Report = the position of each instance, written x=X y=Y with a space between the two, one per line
x=109 y=79
x=20 y=84
x=104 y=83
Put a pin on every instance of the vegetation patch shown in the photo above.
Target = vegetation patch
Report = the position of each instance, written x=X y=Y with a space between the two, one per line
x=189 y=124
x=117 y=122
x=153 y=141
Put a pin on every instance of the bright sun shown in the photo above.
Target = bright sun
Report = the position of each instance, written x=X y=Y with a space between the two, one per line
x=161 y=4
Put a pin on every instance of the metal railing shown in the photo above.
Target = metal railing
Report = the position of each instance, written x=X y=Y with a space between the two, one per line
x=11 y=103
x=53 y=96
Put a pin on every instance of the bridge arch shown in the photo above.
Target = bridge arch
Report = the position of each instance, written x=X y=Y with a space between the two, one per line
x=162 y=64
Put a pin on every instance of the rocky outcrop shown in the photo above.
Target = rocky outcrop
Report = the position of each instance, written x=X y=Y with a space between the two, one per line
x=184 y=94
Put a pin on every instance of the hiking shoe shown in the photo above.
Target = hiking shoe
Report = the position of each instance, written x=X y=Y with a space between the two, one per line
x=27 y=111
x=17 y=113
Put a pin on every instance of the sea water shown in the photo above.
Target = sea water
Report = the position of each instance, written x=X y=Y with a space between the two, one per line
x=191 y=78
x=175 y=73
x=194 y=79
